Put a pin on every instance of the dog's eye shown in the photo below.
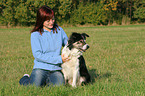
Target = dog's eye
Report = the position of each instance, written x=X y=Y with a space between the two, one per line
x=78 y=42
x=81 y=41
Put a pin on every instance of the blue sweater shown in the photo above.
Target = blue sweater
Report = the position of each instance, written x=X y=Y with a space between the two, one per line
x=46 y=49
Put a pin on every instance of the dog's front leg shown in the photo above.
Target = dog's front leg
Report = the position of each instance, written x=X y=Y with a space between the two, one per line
x=75 y=78
x=75 y=74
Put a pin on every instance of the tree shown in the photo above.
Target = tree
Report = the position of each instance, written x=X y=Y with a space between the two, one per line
x=139 y=12
x=8 y=12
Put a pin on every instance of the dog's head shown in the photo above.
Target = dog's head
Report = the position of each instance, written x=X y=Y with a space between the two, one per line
x=78 y=41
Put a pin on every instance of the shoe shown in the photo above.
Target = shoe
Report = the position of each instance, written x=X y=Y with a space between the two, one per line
x=26 y=75
x=25 y=80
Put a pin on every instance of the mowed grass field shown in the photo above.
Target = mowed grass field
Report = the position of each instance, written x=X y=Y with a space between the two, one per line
x=115 y=60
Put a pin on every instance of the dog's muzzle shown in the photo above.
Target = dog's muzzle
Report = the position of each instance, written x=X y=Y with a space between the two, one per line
x=85 y=47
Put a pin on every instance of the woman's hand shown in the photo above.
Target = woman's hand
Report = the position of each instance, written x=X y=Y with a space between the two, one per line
x=64 y=59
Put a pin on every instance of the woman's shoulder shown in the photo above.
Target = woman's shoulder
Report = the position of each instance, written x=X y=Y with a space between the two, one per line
x=60 y=28
x=35 y=34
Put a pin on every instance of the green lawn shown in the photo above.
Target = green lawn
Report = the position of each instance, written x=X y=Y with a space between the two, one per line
x=115 y=60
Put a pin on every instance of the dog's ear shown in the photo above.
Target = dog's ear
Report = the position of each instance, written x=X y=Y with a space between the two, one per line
x=85 y=35
x=70 y=44
x=72 y=40
x=74 y=35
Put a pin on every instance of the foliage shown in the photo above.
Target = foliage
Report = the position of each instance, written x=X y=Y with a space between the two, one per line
x=88 y=14
x=7 y=16
x=110 y=8
x=29 y=7
x=64 y=10
x=23 y=12
x=139 y=13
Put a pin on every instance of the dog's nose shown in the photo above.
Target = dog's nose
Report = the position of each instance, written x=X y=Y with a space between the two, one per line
x=88 y=46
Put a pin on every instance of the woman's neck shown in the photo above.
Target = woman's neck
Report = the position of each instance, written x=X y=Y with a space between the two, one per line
x=46 y=28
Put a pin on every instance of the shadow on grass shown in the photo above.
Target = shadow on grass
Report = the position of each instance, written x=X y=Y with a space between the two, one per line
x=95 y=76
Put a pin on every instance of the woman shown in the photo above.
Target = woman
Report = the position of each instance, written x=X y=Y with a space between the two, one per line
x=47 y=39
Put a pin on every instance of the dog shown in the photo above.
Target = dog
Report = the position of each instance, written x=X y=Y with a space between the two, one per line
x=75 y=71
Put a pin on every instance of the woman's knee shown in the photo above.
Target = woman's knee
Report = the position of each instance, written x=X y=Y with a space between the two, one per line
x=56 y=78
x=38 y=77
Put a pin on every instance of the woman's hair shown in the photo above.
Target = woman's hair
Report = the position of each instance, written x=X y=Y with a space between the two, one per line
x=44 y=13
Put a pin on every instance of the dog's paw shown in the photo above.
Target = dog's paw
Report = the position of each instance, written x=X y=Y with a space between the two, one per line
x=74 y=85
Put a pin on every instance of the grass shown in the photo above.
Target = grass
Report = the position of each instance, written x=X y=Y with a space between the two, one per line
x=115 y=60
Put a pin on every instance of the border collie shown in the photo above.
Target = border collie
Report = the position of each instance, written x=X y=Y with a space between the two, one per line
x=75 y=70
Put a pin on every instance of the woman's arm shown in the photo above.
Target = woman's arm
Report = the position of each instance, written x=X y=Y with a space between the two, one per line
x=64 y=37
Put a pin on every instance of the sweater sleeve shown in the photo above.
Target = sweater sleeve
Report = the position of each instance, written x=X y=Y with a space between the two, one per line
x=64 y=37
x=39 y=55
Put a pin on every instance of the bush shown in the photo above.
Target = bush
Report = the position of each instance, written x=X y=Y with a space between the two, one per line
x=23 y=12
x=7 y=16
x=140 y=14
x=88 y=13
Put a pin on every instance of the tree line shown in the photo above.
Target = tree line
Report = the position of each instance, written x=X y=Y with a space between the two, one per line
x=96 y=12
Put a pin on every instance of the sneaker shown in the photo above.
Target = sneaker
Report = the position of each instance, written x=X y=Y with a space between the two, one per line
x=26 y=75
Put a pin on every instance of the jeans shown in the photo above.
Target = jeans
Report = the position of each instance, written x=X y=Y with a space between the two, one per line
x=40 y=77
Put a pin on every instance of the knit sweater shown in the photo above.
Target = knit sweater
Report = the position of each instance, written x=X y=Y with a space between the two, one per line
x=46 y=49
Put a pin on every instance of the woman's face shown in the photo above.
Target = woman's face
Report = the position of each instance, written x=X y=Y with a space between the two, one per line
x=49 y=23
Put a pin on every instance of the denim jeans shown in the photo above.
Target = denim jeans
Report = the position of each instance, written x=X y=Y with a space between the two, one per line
x=40 y=77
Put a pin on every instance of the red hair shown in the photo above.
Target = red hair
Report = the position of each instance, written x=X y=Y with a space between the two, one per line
x=44 y=13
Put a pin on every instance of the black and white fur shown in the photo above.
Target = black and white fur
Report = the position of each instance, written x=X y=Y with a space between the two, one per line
x=75 y=70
